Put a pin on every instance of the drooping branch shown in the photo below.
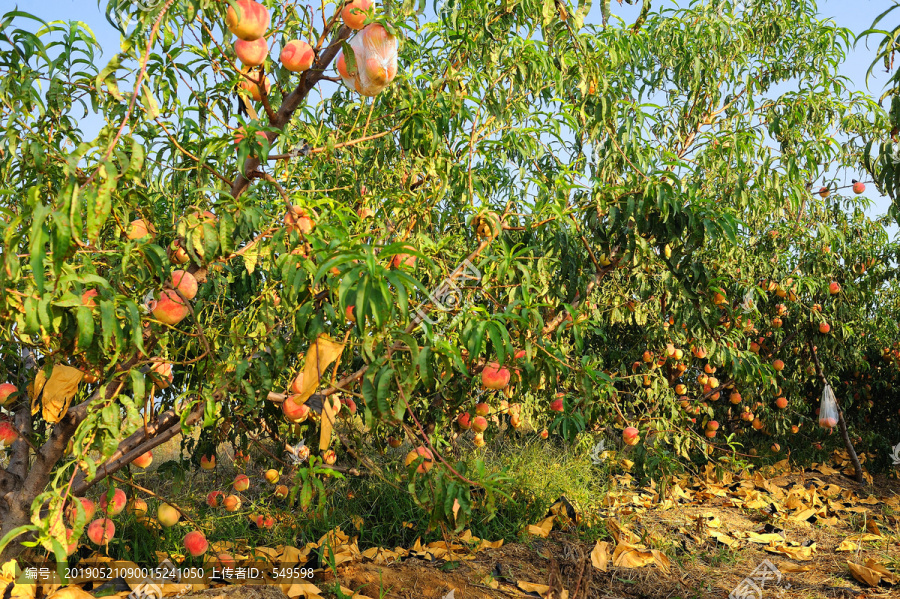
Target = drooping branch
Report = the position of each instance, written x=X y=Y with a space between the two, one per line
x=842 y=424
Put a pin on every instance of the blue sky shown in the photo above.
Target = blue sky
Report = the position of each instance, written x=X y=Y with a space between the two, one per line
x=856 y=15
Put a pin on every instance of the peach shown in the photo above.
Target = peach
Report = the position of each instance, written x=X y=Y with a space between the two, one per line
x=735 y=398
x=249 y=21
x=557 y=405
x=184 y=283
x=349 y=404
x=87 y=298
x=6 y=392
x=298 y=220
x=281 y=491
x=354 y=14
x=403 y=260
x=757 y=424
x=143 y=460
x=781 y=403
x=364 y=213
x=778 y=365
x=170 y=308
x=494 y=376
x=89 y=509
x=272 y=476
x=479 y=424
x=859 y=187
x=167 y=515
x=482 y=409
x=240 y=132
x=329 y=457
x=252 y=88
x=137 y=507
x=297 y=56
x=161 y=374
x=834 y=288
x=479 y=440
x=208 y=462
x=265 y=522
x=72 y=546
x=297 y=383
x=195 y=543
x=824 y=328
x=824 y=192
x=394 y=442
x=215 y=498
x=115 y=507
x=252 y=52
x=464 y=421
x=177 y=253
x=139 y=228
x=241 y=457
x=293 y=411
x=515 y=420
x=680 y=389
x=418 y=452
x=348 y=312
x=545 y=434
x=241 y=482
x=776 y=447
x=828 y=422
x=709 y=433
x=232 y=503
x=101 y=531
x=631 y=436
x=225 y=560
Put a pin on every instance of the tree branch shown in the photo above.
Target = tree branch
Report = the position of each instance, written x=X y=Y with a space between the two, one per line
x=841 y=422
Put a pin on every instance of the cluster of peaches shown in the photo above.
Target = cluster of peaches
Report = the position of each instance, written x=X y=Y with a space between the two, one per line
x=375 y=49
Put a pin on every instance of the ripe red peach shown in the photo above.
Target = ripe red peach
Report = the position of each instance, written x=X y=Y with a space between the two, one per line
x=252 y=52
x=423 y=452
x=195 y=543
x=208 y=462
x=116 y=506
x=232 y=503
x=184 y=283
x=249 y=21
x=494 y=376
x=101 y=531
x=143 y=460
x=139 y=228
x=170 y=308
x=215 y=498
x=6 y=391
x=297 y=56
x=354 y=14
x=241 y=482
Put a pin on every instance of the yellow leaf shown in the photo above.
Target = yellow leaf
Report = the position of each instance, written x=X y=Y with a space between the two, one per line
x=630 y=556
x=847 y=545
x=864 y=575
x=788 y=567
x=543 y=528
x=70 y=593
x=600 y=556
x=318 y=357
x=886 y=575
x=530 y=587
x=55 y=394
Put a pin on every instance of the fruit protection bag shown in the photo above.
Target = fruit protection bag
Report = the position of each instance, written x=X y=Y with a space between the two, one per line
x=375 y=51
x=828 y=410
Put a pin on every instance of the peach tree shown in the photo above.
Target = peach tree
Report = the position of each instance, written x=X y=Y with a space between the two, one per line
x=274 y=213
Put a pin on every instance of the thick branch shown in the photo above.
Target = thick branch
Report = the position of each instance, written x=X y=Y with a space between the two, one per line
x=292 y=103
x=155 y=434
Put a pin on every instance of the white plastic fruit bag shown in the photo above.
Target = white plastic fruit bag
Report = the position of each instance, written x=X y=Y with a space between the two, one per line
x=828 y=410
x=375 y=51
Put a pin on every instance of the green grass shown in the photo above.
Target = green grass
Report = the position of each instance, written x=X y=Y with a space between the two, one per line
x=540 y=473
